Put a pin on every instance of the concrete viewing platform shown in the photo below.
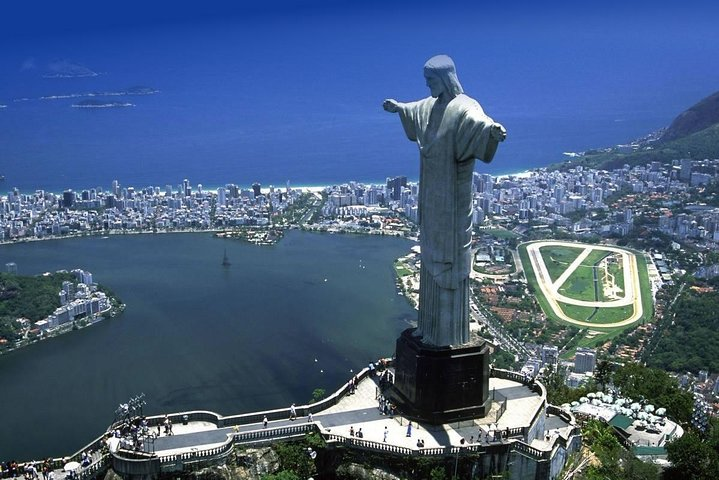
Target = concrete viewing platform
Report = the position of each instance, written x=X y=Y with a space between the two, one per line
x=519 y=424
x=515 y=408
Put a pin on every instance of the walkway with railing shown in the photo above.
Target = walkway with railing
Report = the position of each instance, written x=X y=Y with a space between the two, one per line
x=209 y=437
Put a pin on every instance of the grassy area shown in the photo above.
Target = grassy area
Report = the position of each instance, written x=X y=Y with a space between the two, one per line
x=557 y=259
x=602 y=315
x=402 y=272
x=401 y=269
x=576 y=312
x=532 y=280
x=580 y=283
x=500 y=233
x=645 y=286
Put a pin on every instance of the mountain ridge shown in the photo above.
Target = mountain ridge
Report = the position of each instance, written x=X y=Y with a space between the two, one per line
x=693 y=134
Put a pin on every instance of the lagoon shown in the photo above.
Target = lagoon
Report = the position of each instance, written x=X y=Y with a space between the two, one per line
x=263 y=333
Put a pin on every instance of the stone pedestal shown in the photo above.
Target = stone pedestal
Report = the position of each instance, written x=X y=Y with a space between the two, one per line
x=441 y=384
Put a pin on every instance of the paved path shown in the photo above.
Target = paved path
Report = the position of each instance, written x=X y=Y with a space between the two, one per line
x=360 y=411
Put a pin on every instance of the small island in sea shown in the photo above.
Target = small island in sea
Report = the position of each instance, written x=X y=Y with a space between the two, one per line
x=136 y=90
x=101 y=104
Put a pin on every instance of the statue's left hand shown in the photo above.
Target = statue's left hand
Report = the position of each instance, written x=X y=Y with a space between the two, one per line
x=391 y=105
x=498 y=132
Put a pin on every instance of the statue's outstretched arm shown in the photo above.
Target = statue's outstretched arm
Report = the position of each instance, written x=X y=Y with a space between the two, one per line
x=391 y=105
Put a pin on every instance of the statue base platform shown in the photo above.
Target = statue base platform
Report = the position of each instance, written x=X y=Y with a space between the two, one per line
x=441 y=384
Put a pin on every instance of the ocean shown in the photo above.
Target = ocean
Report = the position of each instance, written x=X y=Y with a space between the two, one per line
x=299 y=100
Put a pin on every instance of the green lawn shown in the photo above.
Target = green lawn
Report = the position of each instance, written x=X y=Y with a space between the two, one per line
x=581 y=284
x=557 y=259
x=603 y=314
x=500 y=233
x=645 y=286
x=402 y=271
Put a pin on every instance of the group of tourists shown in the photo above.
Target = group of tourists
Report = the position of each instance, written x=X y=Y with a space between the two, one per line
x=40 y=470
x=357 y=434
x=352 y=385
x=29 y=471
x=385 y=407
x=132 y=433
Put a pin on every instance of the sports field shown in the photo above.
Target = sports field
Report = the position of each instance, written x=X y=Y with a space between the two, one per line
x=596 y=286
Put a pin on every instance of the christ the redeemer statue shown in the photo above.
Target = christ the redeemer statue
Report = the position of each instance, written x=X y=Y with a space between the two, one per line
x=451 y=130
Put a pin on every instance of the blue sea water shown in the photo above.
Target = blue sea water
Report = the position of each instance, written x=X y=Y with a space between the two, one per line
x=261 y=334
x=297 y=98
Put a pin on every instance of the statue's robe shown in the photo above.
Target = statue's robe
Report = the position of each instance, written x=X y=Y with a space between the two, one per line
x=448 y=150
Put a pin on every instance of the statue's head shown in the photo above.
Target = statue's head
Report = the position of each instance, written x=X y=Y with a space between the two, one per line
x=441 y=76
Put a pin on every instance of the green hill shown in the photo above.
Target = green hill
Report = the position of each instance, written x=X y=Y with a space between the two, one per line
x=697 y=146
x=33 y=298
x=691 y=341
x=693 y=134
x=696 y=118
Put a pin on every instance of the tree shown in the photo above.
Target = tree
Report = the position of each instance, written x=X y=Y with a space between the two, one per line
x=603 y=373
x=656 y=387
x=294 y=459
x=282 y=475
x=693 y=457
x=615 y=463
x=318 y=394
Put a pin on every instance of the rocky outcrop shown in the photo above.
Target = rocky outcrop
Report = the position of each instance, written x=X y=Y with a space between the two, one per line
x=354 y=471
x=698 y=117
x=111 y=475
x=253 y=463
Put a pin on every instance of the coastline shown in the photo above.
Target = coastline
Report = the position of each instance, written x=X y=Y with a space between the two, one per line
x=112 y=311
x=313 y=188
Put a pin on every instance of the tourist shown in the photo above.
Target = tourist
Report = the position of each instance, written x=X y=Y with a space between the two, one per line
x=309 y=418
x=264 y=422
x=31 y=471
x=359 y=433
x=471 y=439
x=293 y=412
x=409 y=429
x=384 y=438
x=352 y=431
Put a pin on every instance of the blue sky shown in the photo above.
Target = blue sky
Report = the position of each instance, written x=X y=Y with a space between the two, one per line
x=49 y=18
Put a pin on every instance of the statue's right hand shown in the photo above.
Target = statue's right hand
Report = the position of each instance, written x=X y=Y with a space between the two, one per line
x=391 y=105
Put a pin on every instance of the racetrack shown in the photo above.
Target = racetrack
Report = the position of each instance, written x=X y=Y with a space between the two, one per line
x=550 y=289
